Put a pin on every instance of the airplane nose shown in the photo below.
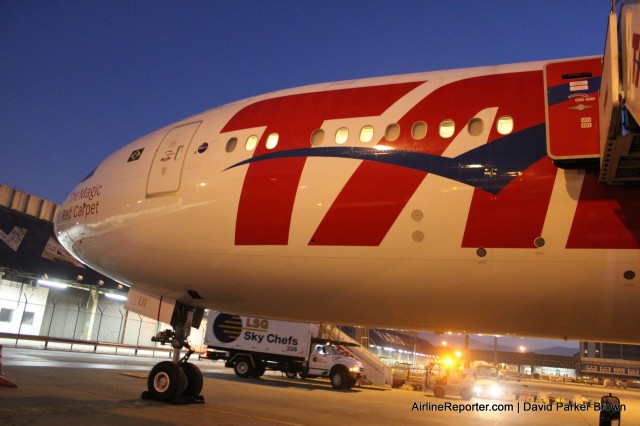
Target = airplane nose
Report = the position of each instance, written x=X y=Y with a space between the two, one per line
x=67 y=229
x=72 y=217
x=83 y=202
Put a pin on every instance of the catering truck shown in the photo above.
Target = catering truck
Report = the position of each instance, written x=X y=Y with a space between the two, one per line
x=253 y=345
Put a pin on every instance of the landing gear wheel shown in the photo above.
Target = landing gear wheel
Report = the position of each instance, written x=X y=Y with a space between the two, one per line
x=339 y=379
x=194 y=380
x=243 y=368
x=166 y=381
x=290 y=374
x=438 y=392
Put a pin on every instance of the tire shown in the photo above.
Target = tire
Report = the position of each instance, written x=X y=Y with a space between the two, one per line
x=243 y=368
x=290 y=374
x=166 y=381
x=438 y=392
x=351 y=382
x=194 y=379
x=338 y=379
x=258 y=371
x=466 y=394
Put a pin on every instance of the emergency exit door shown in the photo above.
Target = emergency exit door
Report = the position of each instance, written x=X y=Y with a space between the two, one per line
x=166 y=169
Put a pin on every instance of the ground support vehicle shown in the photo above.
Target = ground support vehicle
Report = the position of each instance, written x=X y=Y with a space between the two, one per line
x=449 y=378
x=253 y=345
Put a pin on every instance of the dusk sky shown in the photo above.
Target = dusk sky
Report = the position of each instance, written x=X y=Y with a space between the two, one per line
x=79 y=79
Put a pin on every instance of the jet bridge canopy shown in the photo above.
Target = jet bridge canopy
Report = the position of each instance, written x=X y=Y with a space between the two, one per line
x=619 y=108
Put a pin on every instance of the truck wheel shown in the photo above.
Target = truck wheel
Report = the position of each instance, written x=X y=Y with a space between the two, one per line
x=290 y=374
x=438 y=392
x=466 y=394
x=258 y=371
x=351 y=382
x=243 y=368
x=338 y=379
x=166 y=381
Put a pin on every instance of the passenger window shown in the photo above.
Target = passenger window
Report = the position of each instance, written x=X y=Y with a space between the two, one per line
x=342 y=135
x=231 y=144
x=252 y=142
x=392 y=133
x=317 y=137
x=447 y=128
x=203 y=147
x=475 y=127
x=505 y=125
x=272 y=140
x=419 y=130
x=366 y=134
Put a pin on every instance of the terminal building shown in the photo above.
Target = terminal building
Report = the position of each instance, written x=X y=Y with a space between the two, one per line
x=610 y=361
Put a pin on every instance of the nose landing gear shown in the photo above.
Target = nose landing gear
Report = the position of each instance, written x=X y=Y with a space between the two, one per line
x=178 y=381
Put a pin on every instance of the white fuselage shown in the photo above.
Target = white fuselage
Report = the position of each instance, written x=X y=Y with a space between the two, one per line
x=354 y=235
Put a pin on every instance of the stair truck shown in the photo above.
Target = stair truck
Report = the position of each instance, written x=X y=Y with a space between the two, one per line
x=253 y=345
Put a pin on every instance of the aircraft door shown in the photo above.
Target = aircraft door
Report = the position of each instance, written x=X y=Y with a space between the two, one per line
x=166 y=168
x=572 y=113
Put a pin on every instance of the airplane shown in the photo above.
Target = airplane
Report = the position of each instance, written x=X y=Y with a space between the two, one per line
x=498 y=200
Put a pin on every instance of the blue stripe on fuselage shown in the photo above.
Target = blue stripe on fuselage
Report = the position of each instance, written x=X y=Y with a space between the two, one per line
x=561 y=92
x=490 y=167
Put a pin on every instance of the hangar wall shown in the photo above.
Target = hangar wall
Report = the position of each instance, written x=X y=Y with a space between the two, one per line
x=79 y=304
x=76 y=312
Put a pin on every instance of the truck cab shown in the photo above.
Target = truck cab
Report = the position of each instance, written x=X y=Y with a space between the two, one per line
x=327 y=361
x=444 y=380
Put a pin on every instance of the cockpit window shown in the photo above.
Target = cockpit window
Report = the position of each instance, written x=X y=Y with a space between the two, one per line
x=90 y=174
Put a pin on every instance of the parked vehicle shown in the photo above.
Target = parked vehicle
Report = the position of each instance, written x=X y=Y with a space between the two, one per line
x=253 y=345
x=450 y=378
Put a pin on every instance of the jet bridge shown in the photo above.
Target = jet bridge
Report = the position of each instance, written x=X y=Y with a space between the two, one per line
x=619 y=98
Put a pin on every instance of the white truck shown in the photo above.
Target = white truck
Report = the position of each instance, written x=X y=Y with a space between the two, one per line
x=253 y=345
x=450 y=378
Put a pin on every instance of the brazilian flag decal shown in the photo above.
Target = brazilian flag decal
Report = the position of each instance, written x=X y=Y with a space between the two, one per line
x=135 y=155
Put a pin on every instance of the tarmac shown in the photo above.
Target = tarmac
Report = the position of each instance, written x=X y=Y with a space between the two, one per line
x=71 y=388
